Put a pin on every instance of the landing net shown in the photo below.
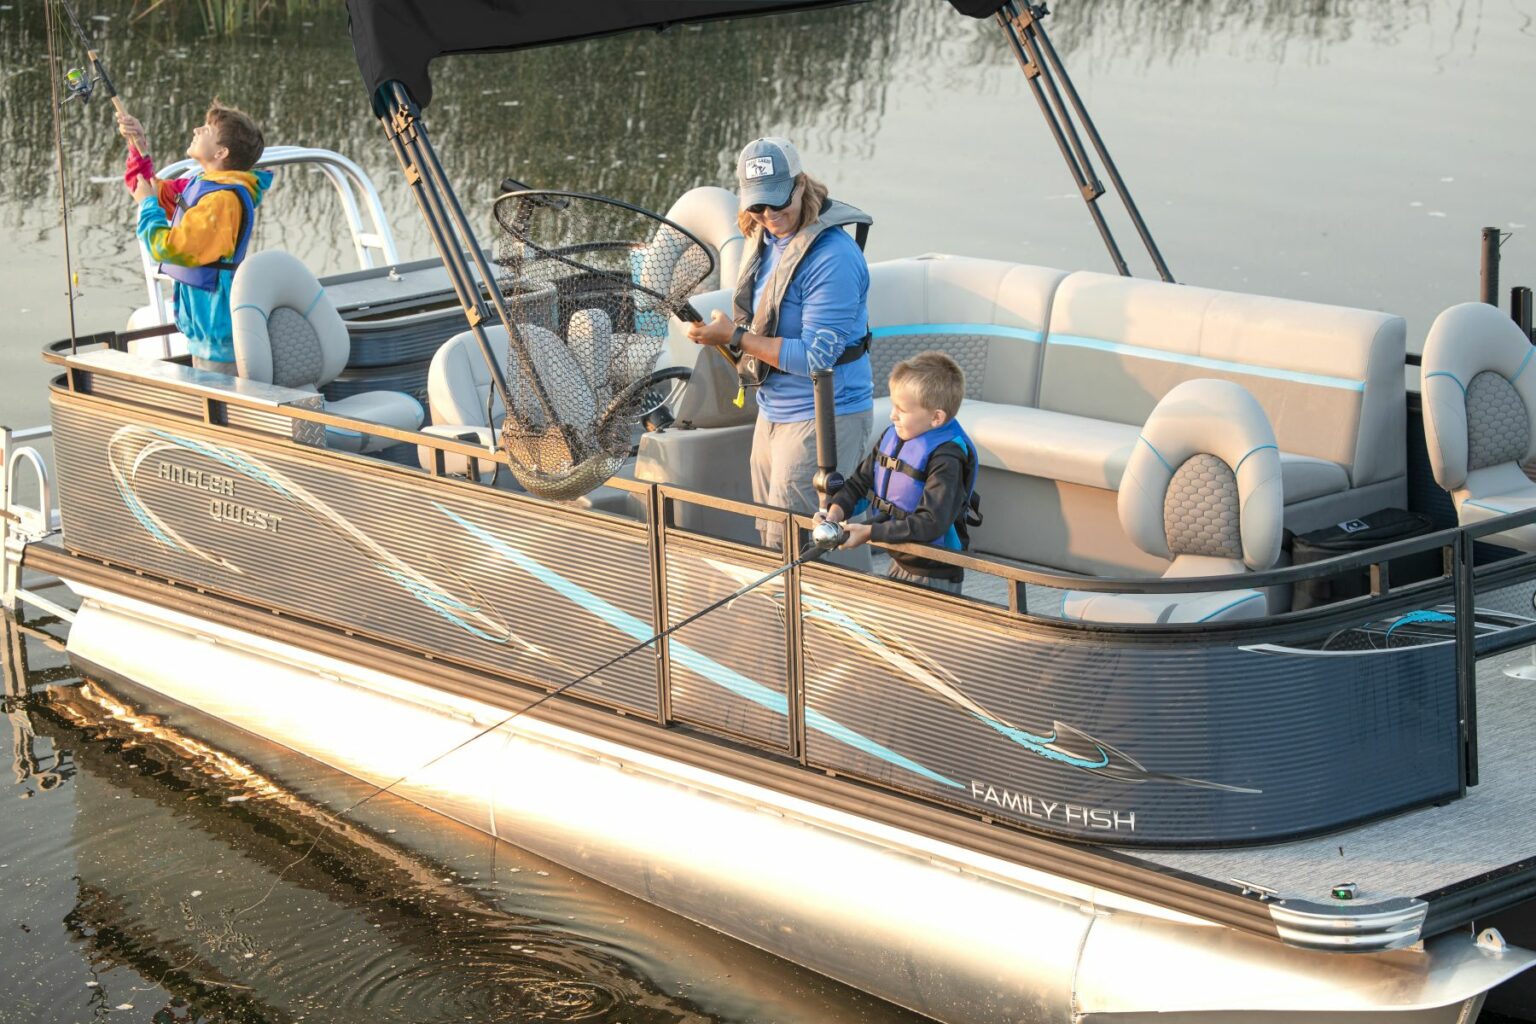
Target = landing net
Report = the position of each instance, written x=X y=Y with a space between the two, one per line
x=589 y=284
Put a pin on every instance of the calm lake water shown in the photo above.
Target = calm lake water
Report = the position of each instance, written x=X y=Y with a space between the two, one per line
x=1345 y=152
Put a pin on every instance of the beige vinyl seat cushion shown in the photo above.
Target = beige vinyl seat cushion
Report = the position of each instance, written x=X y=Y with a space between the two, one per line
x=287 y=332
x=1479 y=397
x=1202 y=487
x=1093 y=452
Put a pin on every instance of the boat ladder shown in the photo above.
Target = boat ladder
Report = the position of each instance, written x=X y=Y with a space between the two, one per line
x=22 y=523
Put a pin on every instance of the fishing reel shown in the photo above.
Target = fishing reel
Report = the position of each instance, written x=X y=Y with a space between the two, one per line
x=79 y=84
x=828 y=535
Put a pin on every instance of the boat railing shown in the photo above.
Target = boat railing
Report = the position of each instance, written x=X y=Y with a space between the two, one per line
x=782 y=675
x=373 y=242
x=213 y=404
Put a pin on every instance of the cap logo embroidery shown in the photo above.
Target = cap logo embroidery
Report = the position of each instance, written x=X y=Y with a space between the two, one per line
x=758 y=166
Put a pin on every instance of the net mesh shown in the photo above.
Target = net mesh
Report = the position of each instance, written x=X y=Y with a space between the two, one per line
x=589 y=283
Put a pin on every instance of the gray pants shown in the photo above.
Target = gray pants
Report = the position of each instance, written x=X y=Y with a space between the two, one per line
x=896 y=572
x=784 y=465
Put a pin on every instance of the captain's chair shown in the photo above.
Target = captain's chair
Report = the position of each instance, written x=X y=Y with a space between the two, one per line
x=287 y=333
x=1479 y=396
x=461 y=397
x=1202 y=487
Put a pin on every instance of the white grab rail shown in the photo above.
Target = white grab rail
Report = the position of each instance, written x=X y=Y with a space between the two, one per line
x=22 y=524
x=373 y=244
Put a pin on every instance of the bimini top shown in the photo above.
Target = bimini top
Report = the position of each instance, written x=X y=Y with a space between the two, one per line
x=395 y=40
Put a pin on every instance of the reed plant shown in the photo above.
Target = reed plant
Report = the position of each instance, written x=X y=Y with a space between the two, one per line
x=227 y=17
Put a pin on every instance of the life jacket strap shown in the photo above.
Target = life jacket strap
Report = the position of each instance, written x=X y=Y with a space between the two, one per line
x=895 y=464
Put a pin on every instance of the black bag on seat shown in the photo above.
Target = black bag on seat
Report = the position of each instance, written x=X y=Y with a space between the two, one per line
x=1380 y=527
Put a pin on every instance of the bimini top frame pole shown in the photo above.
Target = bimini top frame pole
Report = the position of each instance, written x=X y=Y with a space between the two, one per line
x=1043 y=67
x=455 y=240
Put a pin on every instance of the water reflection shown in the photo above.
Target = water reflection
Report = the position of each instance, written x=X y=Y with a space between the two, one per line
x=623 y=115
x=37 y=765
x=202 y=888
x=1345 y=151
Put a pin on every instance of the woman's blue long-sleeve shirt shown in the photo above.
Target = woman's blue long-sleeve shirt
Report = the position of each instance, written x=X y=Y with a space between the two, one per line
x=825 y=309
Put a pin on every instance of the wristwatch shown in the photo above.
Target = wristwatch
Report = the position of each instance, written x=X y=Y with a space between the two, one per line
x=734 y=345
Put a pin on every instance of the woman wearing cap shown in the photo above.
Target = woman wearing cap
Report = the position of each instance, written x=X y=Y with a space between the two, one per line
x=800 y=305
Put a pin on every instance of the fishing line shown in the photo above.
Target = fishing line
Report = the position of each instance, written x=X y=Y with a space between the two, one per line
x=825 y=540
x=58 y=141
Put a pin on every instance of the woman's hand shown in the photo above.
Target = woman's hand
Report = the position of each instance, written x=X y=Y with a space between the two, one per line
x=142 y=189
x=717 y=332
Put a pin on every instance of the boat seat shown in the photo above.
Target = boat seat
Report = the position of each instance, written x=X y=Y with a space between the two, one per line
x=287 y=333
x=709 y=214
x=1479 y=397
x=1094 y=452
x=1201 y=487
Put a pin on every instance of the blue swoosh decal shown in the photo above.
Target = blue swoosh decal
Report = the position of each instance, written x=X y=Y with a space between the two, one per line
x=682 y=654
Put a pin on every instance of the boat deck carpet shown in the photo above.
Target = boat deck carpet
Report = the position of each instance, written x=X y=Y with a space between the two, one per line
x=1422 y=851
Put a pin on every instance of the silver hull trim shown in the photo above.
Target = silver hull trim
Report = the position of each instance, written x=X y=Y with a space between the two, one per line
x=932 y=926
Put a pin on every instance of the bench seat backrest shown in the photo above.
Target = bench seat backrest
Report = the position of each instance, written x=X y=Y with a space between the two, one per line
x=1329 y=378
x=987 y=314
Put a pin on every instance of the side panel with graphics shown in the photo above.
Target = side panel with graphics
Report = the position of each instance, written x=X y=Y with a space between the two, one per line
x=366 y=547
x=1120 y=739
x=1098 y=735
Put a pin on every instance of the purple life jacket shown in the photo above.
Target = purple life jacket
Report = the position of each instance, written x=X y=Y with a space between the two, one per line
x=206 y=276
x=901 y=469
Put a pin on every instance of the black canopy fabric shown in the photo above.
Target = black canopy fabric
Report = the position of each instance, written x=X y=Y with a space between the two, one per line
x=395 y=40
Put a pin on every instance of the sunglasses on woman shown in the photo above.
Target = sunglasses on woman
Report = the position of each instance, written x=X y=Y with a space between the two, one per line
x=761 y=208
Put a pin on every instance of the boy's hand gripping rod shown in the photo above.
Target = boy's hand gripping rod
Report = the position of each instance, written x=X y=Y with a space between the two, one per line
x=82 y=81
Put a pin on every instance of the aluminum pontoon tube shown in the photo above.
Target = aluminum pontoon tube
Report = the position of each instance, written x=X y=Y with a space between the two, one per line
x=947 y=931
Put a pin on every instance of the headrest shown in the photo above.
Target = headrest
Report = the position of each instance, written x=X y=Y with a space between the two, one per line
x=271 y=281
x=1197 y=420
x=709 y=213
x=459 y=381
x=1463 y=342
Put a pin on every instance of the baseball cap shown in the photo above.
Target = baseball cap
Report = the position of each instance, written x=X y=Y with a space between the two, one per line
x=766 y=171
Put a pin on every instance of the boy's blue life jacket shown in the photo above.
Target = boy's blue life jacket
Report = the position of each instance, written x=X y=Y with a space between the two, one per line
x=206 y=276
x=901 y=470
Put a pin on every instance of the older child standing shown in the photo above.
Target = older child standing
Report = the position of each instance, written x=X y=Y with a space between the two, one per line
x=921 y=477
x=198 y=228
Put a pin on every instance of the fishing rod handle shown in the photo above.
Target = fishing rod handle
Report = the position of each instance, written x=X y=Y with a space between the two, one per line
x=117 y=105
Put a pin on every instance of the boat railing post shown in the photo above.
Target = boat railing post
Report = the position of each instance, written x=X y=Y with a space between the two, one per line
x=1466 y=662
x=1489 y=288
x=794 y=636
x=8 y=585
x=656 y=533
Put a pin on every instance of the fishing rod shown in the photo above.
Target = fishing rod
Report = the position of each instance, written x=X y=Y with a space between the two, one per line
x=58 y=146
x=81 y=83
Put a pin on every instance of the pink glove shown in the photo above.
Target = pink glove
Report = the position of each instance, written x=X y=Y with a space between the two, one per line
x=137 y=166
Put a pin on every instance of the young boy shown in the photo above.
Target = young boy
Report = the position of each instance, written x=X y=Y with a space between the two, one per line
x=921 y=477
x=210 y=219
